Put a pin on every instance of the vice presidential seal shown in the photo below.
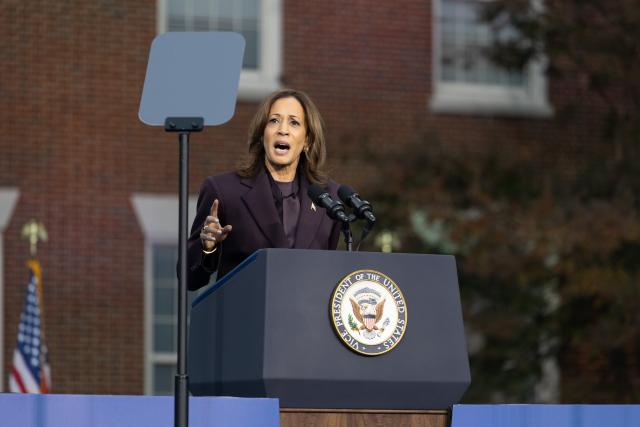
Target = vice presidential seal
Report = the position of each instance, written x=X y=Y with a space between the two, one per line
x=369 y=312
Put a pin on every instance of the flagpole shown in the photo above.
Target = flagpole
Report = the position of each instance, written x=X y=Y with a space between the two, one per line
x=36 y=232
x=37 y=271
x=30 y=370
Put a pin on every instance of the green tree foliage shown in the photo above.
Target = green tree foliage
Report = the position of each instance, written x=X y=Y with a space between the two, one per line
x=549 y=261
x=595 y=43
x=548 y=270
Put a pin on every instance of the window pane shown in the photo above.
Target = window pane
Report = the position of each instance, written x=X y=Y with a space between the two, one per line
x=164 y=313
x=176 y=14
x=448 y=12
x=163 y=338
x=202 y=8
x=165 y=258
x=250 y=10
x=464 y=40
x=516 y=79
x=225 y=9
x=251 y=49
x=163 y=378
x=164 y=301
x=242 y=16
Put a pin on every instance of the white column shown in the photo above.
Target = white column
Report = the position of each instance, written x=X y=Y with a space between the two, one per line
x=157 y=216
x=8 y=199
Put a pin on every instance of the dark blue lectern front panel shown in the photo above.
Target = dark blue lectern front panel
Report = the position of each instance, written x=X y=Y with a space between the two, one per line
x=268 y=332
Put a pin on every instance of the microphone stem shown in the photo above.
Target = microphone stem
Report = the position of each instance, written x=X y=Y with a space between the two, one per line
x=365 y=232
x=348 y=239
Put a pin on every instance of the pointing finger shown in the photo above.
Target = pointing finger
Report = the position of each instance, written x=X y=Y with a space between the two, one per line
x=214 y=208
x=212 y=222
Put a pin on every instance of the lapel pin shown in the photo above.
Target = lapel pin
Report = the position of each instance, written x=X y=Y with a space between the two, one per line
x=313 y=207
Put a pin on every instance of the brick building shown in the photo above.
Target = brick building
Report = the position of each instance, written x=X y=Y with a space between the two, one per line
x=74 y=155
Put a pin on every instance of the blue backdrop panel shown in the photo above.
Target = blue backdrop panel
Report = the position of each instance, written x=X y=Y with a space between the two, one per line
x=58 y=410
x=546 y=415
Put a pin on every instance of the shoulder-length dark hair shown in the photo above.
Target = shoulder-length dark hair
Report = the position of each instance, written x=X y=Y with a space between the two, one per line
x=312 y=158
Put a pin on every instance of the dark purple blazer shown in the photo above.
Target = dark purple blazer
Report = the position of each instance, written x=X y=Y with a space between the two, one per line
x=247 y=204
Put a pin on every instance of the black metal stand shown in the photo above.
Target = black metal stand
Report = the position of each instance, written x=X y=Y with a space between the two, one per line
x=365 y=232
x=183 y=125
x=346 y=231
x=348 y=239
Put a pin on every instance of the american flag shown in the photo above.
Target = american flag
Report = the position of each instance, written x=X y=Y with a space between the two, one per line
x=31 y=372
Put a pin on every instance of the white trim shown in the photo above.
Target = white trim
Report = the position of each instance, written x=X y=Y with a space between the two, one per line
x=158 y=218
x=157 y=215
x=164 y=358
x=161 y=16
x=254 y=85
x=482 y=99
x=8 y=200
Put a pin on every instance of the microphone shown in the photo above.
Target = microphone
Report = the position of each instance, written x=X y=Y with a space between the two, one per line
x=362 y=208
x=334 y=209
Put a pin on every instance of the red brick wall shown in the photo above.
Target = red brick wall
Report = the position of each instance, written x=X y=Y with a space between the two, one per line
x=71 y=75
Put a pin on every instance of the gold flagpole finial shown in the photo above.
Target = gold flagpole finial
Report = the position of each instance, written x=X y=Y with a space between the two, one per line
x=35 y=232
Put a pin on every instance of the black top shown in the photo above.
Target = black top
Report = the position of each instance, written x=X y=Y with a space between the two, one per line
x=287 y=202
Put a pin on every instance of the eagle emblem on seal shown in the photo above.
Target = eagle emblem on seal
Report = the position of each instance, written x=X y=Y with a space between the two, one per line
x=368 y=313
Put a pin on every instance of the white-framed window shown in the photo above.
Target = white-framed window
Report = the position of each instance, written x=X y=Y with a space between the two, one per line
x=8 y=199
x=158 y=218
x=465 y=81
x=259 y=21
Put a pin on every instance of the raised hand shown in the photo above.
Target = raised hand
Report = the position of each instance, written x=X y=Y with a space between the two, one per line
x=212 y=232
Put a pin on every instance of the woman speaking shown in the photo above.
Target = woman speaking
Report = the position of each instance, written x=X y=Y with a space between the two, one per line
x=264 y=204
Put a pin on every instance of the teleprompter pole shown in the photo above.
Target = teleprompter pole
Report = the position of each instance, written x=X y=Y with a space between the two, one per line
x=192 y=77
x=183 y=125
